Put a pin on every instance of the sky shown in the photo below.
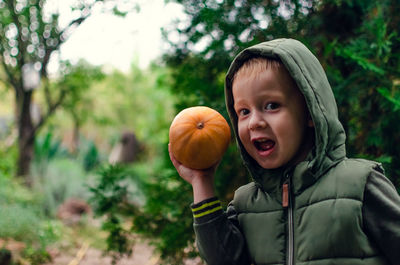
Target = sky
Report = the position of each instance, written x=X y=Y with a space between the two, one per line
x=105 y=39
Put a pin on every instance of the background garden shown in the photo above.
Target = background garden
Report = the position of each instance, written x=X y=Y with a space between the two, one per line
x=56 y=138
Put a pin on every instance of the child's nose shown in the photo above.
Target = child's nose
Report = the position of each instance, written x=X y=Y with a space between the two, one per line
x=257 y=122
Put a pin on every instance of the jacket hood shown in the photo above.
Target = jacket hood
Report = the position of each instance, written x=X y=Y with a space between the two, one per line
x=311 y=79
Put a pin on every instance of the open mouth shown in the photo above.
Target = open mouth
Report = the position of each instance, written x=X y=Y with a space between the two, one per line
x=264 y=144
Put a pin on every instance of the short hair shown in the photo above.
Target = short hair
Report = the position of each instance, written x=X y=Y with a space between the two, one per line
x=257 y=65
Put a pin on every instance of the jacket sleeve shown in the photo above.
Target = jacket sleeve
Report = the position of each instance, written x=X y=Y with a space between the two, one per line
x=218 y=235
x=381 y=210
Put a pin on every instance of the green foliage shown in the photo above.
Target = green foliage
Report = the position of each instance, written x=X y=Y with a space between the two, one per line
x=48 y=232
x=110 y=194
x=157 y=218
x=394 y=99
x=36 y=256
x=91 y=157
x=163 y=218
x=63 y=178
x=78 y=79
x=8 y=157
x=363 y=70
x=55 y=176
x=110 y=200
x=139 y=101
x=24 y=223
x=12 y=192
x=18 y=222
x=59 y=175
x=22 y=219
x=46 y=148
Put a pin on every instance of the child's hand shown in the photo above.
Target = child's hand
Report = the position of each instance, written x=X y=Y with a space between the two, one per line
x=189 y=174
x=202 y=181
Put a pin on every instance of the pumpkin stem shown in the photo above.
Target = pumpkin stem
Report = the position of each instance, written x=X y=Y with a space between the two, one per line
x=200 y=125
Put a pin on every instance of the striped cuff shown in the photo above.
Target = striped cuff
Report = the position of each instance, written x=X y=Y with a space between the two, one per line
x=207 y=209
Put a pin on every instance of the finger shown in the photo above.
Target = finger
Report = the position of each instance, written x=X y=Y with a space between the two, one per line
x=175 y=162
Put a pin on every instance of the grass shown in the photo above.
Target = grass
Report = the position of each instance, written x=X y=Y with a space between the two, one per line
x=18 y=222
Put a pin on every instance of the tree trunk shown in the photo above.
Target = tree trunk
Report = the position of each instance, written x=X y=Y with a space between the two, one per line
x=26 y=136
x=76 y=132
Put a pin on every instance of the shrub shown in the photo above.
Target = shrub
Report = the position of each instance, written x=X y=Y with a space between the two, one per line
x=90 y=157
x=22 y=219
x=8 y=157
x=64 y=178
x=110 y=199
x=18 y=222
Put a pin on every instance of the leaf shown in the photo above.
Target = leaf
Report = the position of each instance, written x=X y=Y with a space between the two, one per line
x=345 y=52
x=386 y=94
x=119 y=13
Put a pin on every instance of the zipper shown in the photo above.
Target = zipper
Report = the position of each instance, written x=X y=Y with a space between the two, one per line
x=288 y=204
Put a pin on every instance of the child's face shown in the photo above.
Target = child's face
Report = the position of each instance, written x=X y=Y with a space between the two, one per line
x=272 y=117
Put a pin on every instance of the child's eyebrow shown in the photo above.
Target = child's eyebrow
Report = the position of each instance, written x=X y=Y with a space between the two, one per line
x=238 y=103
x=236 y=106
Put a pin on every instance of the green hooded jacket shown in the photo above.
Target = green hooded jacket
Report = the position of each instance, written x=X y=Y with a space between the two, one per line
x=340 y=210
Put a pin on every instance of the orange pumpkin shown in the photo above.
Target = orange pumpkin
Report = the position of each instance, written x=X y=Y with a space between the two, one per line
x=199 y=137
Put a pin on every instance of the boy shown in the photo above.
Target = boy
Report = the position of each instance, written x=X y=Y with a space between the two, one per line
x=308 y=203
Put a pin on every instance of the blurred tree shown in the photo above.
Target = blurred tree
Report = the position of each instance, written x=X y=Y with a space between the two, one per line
x=30 y=32
x=78 y=79
x=138 y=101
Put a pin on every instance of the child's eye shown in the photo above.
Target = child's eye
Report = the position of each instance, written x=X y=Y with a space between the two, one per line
x=243 y=112
x=272 y=106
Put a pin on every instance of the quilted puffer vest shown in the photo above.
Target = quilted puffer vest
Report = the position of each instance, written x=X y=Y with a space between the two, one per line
x=320 y=224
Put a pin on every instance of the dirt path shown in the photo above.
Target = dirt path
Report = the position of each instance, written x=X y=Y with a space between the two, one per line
x=87 y=255
x=143 y=254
